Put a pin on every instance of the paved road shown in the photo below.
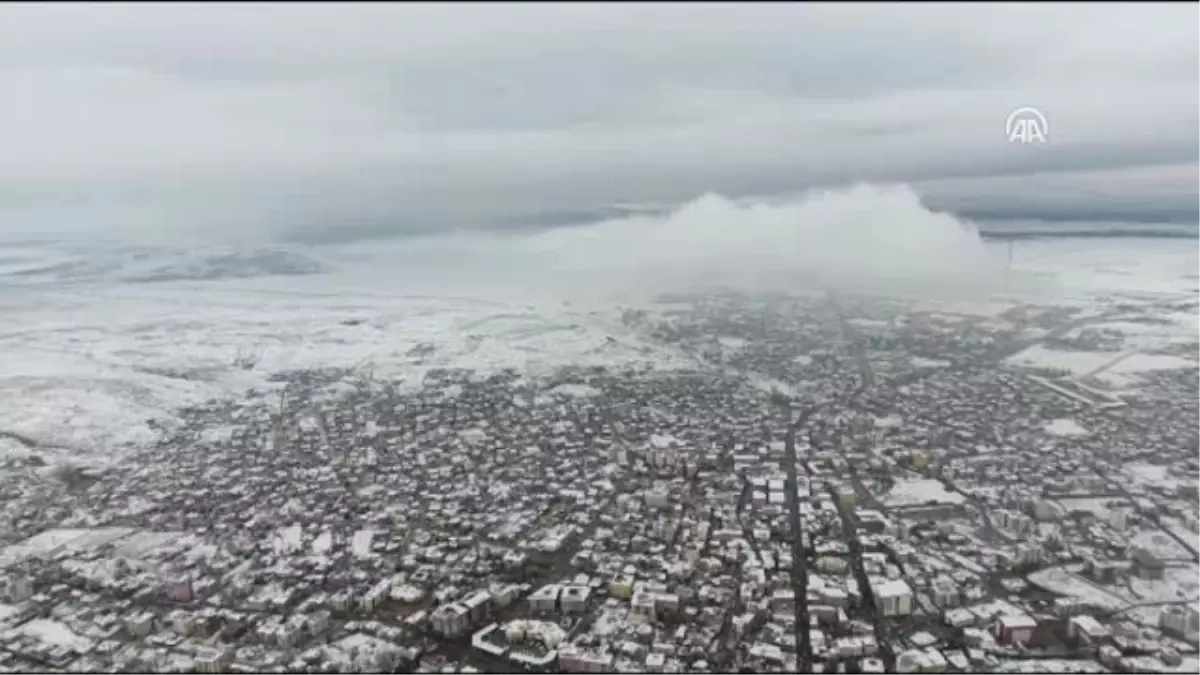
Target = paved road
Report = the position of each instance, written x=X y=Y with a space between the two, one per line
x=848 y=516
x=850 y=533
x=799 y=560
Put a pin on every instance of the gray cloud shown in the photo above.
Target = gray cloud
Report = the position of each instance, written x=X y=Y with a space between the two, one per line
x=304 y=120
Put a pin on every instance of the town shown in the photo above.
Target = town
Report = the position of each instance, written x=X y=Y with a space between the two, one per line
x=836 y=485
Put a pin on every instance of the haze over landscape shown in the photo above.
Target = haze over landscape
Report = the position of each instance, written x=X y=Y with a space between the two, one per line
x=698 y=321
x=568 y=152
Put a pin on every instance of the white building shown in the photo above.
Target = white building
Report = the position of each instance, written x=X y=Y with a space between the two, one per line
x=140 y=624
x=182 y=621
x=377 y=594
x=1046 y=510
x=18 y=588
x=1016 y=524
x=479 y=606
x=893 y=597
x=502 y=596
x=291 y=631
x=1015 y=629
x=769 y=653
x=1029 y=554
x=945 y=593
x=450 y=620
x=318 y=622
x=1118 y=519
x=657 y=497
x=935 y=662
x=1181 y=621
x=666 y=603
x=545 y=599
x=213 y=660
x=574 y=598
x=783 y=600
x=1086 y=629
x=597 y=662
x=643 y=604
x=910 y=661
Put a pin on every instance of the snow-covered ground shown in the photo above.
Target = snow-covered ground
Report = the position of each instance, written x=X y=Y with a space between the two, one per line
x=1102 y=507
x=1067 y=581
x=575 y=390
x=1187 y=534
x=51 y=633
x=1143 y=473
x=1081 y=363
x=911 y=491
x=1160 y=544
x=96 y=345
x=127 y=542
x=356 y=649
x=1180 y=581
x=7 y=614
x=46 y=543
x=88 y=369
x=889 y=421
x=1065 y=427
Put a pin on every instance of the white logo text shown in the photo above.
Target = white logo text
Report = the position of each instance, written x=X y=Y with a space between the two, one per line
x=1026 y=125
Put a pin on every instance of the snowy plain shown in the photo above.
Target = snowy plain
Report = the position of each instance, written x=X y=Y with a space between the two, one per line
x=86 y=366
x=95 y=343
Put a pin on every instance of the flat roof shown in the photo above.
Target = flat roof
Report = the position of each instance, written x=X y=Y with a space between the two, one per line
x=1018 y=621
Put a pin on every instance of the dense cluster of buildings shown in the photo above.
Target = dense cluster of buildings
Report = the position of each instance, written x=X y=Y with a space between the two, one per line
x=836 y=486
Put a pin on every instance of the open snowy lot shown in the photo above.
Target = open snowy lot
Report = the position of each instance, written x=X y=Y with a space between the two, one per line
x=912 y=491
x=1181 y=581
x=50 y=633
x=127 y=542
x=1067 y=581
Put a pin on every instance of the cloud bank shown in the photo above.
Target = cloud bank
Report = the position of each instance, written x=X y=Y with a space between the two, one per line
x=861 y=238
x=258 y=122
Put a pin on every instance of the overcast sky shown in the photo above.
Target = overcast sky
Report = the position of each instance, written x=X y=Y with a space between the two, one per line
x=298 y=118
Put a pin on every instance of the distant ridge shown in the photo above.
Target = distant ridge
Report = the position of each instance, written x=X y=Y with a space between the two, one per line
x=1098 y=232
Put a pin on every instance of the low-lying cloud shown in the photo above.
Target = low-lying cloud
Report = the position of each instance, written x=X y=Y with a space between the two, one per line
x=862 y=233
x=858 y=238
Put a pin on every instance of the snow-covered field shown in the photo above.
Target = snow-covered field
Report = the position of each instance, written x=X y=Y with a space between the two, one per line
x=1180 y=581
x=94 y=345
x=1161 y=545
x=1102 y=507
x=51 y=541
x=1187 y=534
x=1081 y=363
x=85 y=368
x=1068 y=582
x=1143 y=473
x=912 y=491
x=52 y=634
